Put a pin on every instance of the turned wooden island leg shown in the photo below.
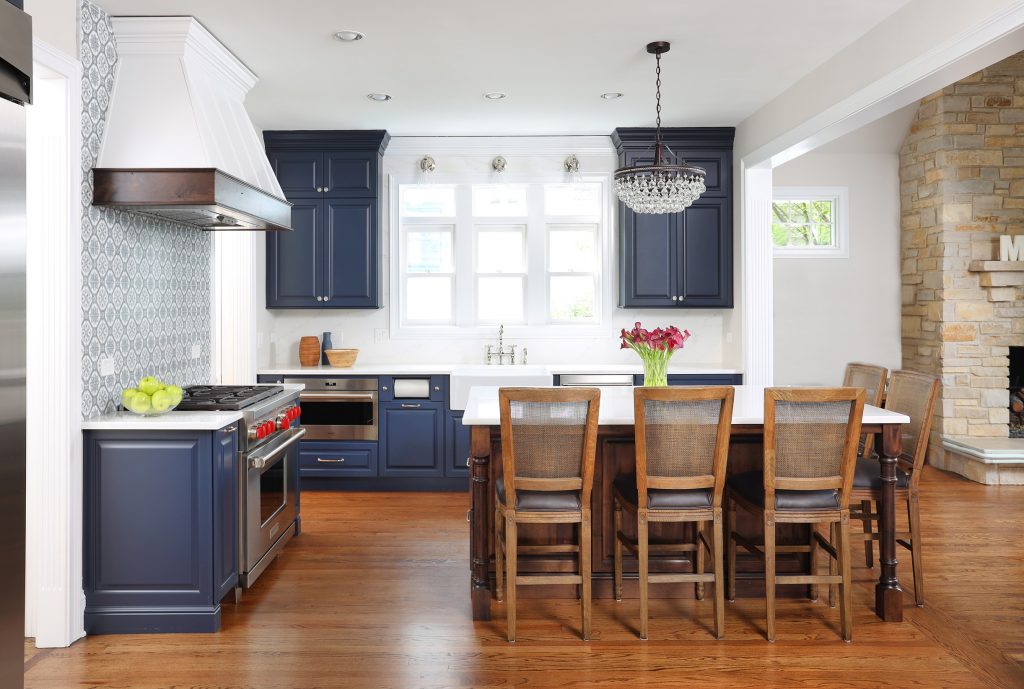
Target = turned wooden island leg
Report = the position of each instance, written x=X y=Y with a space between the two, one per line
x=888 y=594
x=479 y=486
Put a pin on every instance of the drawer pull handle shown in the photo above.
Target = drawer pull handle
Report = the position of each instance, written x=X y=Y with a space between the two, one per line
x=230 y=429
x=330 y=461
x=411 y=406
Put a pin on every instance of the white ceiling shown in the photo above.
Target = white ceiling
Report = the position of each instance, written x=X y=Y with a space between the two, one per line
x=554 y=59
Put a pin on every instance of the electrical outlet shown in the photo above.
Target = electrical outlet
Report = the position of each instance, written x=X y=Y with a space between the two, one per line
x=106 y=367
x=380 y=335
x=197 y=350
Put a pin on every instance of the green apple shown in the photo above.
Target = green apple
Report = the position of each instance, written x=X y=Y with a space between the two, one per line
x=149 y=385
x=176 y=394
x=126 y=397
x=161 y=401
x=141 y=403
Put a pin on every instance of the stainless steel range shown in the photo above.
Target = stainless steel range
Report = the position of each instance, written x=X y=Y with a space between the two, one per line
x=269 y=466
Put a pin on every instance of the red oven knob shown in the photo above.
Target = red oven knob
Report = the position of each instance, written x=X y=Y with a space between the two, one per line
x=270 y=427
x=294 y=413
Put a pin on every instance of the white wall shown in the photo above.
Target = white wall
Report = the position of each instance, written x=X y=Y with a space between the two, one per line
x=279 y=330
x=830 y=311
x=56 y=22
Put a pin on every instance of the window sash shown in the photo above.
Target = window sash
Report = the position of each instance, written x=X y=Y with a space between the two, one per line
x=839 y=225
x=535 y=275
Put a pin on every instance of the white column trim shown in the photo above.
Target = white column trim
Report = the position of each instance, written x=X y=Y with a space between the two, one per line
x=757 y=276
x=55 y=603
x=234 y=336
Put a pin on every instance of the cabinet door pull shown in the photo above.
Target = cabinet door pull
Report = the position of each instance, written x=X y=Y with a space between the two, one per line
x=411 y=406
x=230 y=429
x=330 y=461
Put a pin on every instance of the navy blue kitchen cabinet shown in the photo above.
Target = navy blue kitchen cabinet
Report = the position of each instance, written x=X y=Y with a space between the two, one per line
x=295 y=275
x=333 y=459
x=412 y=439
x=160 y=529
x=331 y=259
x=350 y=252
x=697 y=379
x=456 y=446
x=679 y=260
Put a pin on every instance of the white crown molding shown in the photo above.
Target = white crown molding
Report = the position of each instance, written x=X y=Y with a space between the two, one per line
x=180 y=36
x=501 y=145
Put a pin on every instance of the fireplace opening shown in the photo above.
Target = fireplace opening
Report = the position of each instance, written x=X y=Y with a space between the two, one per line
x=1017 y=392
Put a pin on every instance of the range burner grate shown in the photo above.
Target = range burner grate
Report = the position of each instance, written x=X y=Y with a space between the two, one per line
x=225 y=397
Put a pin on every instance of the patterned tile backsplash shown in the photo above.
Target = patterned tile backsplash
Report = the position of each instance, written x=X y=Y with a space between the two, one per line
x=146 y=282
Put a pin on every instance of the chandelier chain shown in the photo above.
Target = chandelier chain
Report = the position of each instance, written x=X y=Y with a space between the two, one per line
x=657 y=96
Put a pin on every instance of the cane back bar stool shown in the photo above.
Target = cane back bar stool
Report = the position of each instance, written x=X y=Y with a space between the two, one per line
x=915 y=395
x=872 y=378
x=682 y=444
x=548 y=447
x=810 y=452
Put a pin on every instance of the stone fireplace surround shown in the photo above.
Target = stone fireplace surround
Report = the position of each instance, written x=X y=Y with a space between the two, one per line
x=961 y=187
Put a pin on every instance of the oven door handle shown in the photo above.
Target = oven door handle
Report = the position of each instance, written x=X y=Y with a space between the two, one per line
x=337 y=396
x=261 y=461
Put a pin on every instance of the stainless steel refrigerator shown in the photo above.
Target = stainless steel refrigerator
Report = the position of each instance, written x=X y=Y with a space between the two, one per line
x=15 y=95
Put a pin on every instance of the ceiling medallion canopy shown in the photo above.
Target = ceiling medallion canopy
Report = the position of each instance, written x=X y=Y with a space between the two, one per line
x=662 y=186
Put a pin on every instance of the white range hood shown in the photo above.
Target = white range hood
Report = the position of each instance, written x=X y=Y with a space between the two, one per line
x=178 y=141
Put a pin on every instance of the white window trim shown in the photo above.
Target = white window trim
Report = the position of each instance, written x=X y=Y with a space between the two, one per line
x=463 y=326
x=839 y=196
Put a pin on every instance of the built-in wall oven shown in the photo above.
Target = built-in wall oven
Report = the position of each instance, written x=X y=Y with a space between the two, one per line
x=339 y=408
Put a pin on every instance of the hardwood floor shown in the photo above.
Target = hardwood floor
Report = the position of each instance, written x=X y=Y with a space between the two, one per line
x=358 y=602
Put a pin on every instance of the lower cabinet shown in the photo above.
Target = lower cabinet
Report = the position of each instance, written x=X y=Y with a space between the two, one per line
x=412 y=439
x=456 y=446
x=336 y=459
x=160 y=533
x=698 y=379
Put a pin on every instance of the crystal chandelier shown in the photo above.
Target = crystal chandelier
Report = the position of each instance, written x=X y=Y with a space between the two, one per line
x=660 y=187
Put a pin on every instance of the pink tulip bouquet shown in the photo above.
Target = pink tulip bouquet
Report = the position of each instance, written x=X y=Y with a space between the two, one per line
x=655 y=348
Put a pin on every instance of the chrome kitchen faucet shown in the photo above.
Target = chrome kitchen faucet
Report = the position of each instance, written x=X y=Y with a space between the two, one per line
x=491 y=354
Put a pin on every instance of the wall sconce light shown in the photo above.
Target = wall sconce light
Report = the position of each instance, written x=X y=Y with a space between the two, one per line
x=427 y=164
x=572 y=168
x=499 y=164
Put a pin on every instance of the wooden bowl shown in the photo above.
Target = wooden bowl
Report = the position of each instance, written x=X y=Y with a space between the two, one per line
x=309 y=350
x=341 y=358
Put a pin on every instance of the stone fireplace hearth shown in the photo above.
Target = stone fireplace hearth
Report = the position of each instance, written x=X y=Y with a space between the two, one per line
x=961 y=187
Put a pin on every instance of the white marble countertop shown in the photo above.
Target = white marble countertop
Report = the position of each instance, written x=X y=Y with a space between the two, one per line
x=617 y=408
x=448 y=369
x=171 y=421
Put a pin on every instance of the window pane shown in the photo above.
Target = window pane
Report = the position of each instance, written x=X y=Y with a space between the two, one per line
x=572 y=249
x=428 y=299
x=572 y=199
x=571 y=298
x=499 y=200
x=427 y=201
x=499 y=299
x=428 y=250
x=500 y=251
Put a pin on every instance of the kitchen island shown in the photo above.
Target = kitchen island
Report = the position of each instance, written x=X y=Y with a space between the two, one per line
x=615 y=457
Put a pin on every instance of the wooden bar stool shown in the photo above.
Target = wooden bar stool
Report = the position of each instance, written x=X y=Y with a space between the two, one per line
x=915 y=395
x=548 y=448
x=810 y=451
x=682 y=444
x=872 y=379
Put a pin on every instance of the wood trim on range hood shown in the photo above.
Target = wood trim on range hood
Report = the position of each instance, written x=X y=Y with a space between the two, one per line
x=206 y=198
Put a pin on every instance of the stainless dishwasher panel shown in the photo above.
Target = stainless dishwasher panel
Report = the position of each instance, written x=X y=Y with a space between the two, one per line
x=590 y=380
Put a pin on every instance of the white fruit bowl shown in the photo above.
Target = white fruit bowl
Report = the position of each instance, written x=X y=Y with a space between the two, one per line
x=152 y=412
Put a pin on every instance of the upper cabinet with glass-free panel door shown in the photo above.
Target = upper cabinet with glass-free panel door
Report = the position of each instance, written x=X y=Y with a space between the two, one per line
x=332 y=258
x=680 y=260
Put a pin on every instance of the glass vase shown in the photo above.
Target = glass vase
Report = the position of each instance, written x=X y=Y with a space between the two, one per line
x=656 y=372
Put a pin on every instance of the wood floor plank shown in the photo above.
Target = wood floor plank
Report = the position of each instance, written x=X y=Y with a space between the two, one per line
x=374 y=595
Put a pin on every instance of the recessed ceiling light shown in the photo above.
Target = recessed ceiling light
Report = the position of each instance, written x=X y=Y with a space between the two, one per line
x=611 y=95
x=349 y=36
x=379 y=97
x=495 y=95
